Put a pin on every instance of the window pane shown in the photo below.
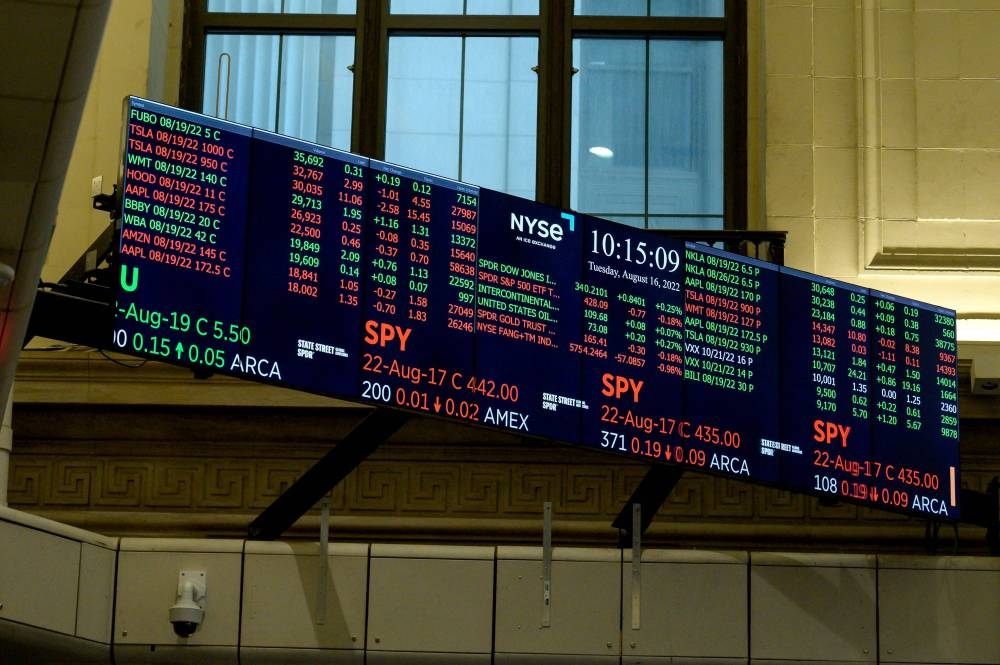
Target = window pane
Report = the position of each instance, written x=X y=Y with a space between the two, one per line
x=464 y=109
x=688 y=8
x=686 y=223
x=309 y=97
x=284 y=6
x=491 y=7
x=245 y=6
x=426 y=6
x=628 y=220
x=611 y=8
x=650 y=7
x=422 y=106
x=500 y=115
x=317 y=89
x=647 y=135
x=685 y=127
x=502 y=7
x=609 y=126
x=244 y=69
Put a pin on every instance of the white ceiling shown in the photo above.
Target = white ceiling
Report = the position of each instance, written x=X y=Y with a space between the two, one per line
x=48 y=48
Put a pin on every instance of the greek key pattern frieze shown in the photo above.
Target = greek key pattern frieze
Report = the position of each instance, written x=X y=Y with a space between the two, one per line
x=389 y=487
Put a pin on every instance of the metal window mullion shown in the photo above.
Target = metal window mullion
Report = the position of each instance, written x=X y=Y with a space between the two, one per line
x=507 y=114
x=645 y=145
x=734 y=117
x=692 y=28
x=382 y=80
x=193 y=58
x=251 y=23
x=371 y=50
x=555 y=48
x=277 y=92
x=452 y=24
x=461 y=106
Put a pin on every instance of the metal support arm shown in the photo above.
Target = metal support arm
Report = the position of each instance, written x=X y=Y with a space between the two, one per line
x=983 y=509
x=652 y=491
x=333 y=467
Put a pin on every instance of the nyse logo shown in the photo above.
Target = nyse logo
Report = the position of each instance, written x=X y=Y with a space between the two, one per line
x=536 y=227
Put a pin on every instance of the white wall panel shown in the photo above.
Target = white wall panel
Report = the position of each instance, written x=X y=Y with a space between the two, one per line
x=812 y=608
x=39 y=574
x=148 y=570
x=97 y=588
x=939 y=609
x=280 y=603
x=430 y=604
x=583 y=613
x=692 y=608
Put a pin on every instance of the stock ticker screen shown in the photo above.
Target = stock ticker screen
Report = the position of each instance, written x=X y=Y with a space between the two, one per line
x=268 y=258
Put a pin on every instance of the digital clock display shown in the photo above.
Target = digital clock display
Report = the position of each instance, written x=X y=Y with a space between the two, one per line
x=264 y=257
x=641 y=252
x=631 y=287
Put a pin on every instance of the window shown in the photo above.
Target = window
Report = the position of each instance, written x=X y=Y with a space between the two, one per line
x=628 y=109
x=647 y=131
x=298 y=85
x=651 y=7
x=485 y=7
x=283 y=6
x=464 y=107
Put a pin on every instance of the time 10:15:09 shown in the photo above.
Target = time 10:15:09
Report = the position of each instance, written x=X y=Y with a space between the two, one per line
x=661 y=258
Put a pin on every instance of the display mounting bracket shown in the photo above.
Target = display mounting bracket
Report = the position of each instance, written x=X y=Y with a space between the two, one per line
x=650 y=494
x=983 y=509
x=324 y=475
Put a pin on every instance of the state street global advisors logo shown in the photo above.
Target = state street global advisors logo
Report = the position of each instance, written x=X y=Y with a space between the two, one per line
x=540 y=232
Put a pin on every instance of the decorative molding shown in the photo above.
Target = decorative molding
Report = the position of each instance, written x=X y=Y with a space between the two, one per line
x=869 y=127
x=938 y=245
x=958 y=244
x=188 y=470
x=427 y=488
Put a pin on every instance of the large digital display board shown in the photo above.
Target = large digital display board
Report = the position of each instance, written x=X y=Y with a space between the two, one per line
x=278 y=260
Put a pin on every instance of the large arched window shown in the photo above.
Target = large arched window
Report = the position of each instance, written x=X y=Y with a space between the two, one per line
x=628 y=109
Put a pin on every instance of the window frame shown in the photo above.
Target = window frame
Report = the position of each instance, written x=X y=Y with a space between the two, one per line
x=555 y=27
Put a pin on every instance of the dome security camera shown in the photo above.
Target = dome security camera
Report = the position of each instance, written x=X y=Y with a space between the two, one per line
x=188 y=611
